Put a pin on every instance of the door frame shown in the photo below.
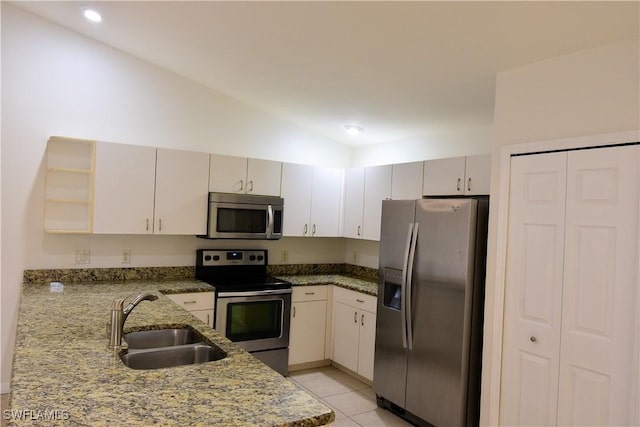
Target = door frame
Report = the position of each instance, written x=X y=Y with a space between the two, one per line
x=494 y=312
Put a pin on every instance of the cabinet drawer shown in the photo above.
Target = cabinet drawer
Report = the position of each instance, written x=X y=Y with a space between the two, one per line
x=309 y=293
x=355 y=299
x=194 y=301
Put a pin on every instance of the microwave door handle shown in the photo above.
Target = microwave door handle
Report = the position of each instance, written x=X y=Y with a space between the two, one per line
x=269 y=222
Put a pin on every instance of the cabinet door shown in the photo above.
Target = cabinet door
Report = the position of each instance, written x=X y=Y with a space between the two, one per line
x=444 y=177
x=477 y=175
x=124 y=189
x=406 y=181
x=377 y=187
x=181 y=192
x=326 y=194
x=599 y=294
x=345 y=335
x=533 y=290
x=228 y=174
x=353 y=203
x=263 y=177
x=307 y=334
x=296 y=191
x=205 y=315
x=366 y=344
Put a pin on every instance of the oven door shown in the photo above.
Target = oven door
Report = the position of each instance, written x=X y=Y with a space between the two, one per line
x=255 y=320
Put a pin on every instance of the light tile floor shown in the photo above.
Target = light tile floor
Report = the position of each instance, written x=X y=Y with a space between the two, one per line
x=353 y=401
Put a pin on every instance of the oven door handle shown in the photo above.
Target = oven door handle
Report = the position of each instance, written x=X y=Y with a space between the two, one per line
x=266 y=292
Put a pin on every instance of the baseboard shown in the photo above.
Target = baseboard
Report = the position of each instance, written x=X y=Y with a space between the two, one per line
x=309 y=365
x=352 y=373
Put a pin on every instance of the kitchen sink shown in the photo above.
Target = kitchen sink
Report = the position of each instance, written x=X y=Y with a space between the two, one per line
x=167 y=357
x=162 y=338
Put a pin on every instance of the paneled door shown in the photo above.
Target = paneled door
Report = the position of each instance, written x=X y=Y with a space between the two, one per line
x=600 y=285
x=534 y=290
x=570 y=344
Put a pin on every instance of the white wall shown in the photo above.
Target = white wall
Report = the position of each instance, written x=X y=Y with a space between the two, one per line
x=56 y=82
x=463 y=142
x=589 y=92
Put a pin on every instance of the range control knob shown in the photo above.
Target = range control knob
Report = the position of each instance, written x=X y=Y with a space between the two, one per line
x=260 y=257
x=207 y=257
x=252 y=258
x=216 y=257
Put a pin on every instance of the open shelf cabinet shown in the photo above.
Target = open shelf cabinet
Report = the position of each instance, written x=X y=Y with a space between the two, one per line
x=69 y=185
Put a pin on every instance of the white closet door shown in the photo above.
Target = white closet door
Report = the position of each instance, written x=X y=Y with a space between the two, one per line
x=600 y=285
x=533 y=291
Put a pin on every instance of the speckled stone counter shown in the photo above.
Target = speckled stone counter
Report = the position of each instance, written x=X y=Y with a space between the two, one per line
x=61 y=363
x=355 y=284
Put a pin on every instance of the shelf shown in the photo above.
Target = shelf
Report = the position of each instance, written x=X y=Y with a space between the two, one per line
x=69 y=185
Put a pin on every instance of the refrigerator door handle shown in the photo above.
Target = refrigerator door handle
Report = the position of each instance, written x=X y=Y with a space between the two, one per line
x=403 y=287
x=409 y=286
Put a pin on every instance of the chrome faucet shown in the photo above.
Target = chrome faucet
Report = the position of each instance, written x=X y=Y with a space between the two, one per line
x=119 y=316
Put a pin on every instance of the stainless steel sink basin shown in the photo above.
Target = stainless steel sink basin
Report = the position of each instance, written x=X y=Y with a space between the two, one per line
x=166 y=357
x=162 y=338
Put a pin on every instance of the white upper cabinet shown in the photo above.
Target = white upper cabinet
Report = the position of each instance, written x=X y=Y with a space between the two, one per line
x=124 y=189
x=377 y=187
x=296 y=192
x=353 y=203
x=457 y=176
x=182 y=191
x=365 y=189
x=406 y=181
x=312 y=200
x=231 y=174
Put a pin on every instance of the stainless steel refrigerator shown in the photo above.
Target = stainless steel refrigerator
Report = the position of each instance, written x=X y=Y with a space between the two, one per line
x=430 y=309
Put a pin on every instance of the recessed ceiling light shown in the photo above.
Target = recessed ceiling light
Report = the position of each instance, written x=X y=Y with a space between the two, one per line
x=353 y=130
x=92 y=15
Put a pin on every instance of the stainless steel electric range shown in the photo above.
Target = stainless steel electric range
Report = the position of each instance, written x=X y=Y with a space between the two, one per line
x=252 y=309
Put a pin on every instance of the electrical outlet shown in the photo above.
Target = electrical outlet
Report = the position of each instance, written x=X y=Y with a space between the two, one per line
x=82 y=256
x=126 y=256
x=284 y=256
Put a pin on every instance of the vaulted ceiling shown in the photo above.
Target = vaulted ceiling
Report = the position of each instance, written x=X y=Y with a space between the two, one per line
x=396 y=69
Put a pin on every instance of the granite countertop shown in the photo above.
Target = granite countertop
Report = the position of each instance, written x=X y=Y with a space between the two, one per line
x=355 y=284
x=61 y=363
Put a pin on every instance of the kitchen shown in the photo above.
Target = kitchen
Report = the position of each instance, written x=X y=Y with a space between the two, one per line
x=37 y=105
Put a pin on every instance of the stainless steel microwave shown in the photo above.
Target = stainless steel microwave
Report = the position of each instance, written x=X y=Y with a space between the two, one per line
x=241 y=216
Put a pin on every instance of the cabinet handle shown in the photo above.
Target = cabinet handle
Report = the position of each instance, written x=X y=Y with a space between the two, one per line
x=309 y=293
x=355 y=317
x=313 y=230
x=147 y=227
x=241 y=185
x=250 y=186
x=458 y=184
x=208 y=319
x=189 y=302
x=362 y=320
x=469 y=184
x=160 y=224
x=358 y=230
x=360 y=301
x=533 y=339
x=294 y=311
x=304 y=232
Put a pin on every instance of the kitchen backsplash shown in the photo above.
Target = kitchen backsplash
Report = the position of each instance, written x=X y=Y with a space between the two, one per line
x=179 y=273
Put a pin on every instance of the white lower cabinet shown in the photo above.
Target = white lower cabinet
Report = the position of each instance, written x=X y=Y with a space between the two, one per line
x=308 y=324
x=200 y=304
x=354 y=323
